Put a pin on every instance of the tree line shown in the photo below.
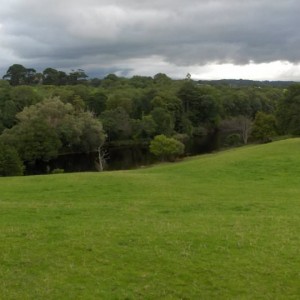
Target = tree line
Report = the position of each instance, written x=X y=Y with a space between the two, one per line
x=19 y=75
x=52 y=114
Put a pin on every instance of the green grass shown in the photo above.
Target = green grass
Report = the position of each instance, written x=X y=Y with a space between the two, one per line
x=219 y=226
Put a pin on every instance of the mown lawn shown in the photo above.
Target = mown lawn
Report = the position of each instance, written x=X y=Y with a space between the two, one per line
x=219 y=226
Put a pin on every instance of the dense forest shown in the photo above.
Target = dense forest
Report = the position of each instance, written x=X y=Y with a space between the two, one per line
x=54 y=122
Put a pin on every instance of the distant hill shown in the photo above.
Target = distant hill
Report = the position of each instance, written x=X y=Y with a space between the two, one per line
x=245 y=82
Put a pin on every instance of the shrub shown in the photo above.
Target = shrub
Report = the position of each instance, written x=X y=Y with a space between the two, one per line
x=166 y=148
x=264 y=127
x=10 y=162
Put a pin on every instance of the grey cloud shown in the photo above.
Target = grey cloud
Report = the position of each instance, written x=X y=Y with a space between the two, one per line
x=68 y=33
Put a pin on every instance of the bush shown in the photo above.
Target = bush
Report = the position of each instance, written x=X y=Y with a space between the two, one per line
x=10 y=162
x=166 y=148
x=264 y=128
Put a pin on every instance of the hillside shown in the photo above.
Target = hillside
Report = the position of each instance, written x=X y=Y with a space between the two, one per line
x=218 y=226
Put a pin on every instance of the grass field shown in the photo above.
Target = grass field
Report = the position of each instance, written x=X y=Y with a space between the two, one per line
x=219 y=226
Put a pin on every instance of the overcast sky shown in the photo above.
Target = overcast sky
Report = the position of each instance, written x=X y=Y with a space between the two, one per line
x=210 y=39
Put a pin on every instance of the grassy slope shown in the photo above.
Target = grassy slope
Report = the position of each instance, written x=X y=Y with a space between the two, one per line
x=220 y=226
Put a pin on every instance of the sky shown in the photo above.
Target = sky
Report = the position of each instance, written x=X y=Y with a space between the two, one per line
x=210 y=39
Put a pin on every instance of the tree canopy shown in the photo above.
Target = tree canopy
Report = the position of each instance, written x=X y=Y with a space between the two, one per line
x=166 y=148
x=52 y=127
x=53 y=113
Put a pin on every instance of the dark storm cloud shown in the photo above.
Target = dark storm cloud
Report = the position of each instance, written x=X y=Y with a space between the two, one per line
x=90 y=33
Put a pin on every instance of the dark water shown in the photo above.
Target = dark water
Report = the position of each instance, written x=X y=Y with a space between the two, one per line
x=128 y=157
x=118 y=158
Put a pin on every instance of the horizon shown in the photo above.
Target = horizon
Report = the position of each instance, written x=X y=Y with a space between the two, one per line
x=102 y=74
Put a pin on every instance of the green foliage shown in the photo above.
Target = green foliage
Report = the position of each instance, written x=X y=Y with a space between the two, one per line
x=4 y=84
x=23 y=96
x=248 y=101
x=2 y=127
x=10 y=162
x=33 y=139
x=164 y=121
x=264 y=127
x=142 y=103
x=50 y=128
x=187 y=94
x=54 y=77
x=119 y=99
x=162 y=79
x=144 y=128
x=140 y=81
x=9 y=111
x=4 y=92
x=91 y=134
x=65 y=94
x=18 y=74
x=111 y=81
x=78 y=103
x=288 y=112
x=131 y=109
x=166 y=148
x=182 y=137
x=77 y=77
x=200 y=104
x=116 y=124
x=171 y=103
x=97 y=102
x=185 y=126
x=199 y=131
x=80 y=90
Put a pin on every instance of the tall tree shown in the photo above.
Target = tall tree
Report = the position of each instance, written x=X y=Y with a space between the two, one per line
x=24 y=96
x=199 y=104
x=10 y=162
x=97 y=102
x=50 y=76
x=288 y=112
x=264 y=127
x=117 y=124
x=50 y=128
x=77 y=76
x=18 y=74
x=164 y=121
